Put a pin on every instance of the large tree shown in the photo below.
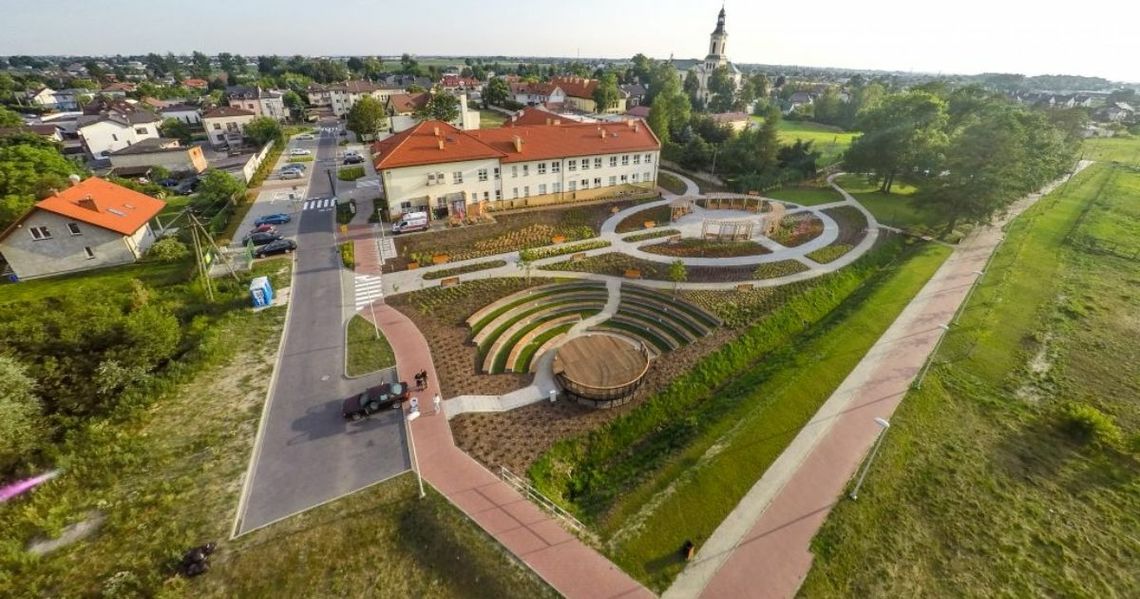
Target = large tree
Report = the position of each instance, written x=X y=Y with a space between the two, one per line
x=497 y=92
x=441 y=107
x=200 y=65
x=606 y=95
x=176 y=129
x=218 y=187
x=902 y=136
x=28 y=173
x=366 y=118
x=670 y=109
x=723 y=88
x=263 y=130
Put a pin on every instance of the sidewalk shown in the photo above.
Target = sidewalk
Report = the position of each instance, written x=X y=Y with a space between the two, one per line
x=564 y=562
x=763 y=548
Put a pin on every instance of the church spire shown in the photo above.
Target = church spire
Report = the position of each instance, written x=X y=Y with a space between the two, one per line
x=720 y=22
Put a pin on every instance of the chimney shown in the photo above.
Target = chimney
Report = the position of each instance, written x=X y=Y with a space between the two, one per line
x=602 y=132
x=518 y=144
x=437 y=131
x=440 y=140
x=88 y=203
x=636 y=127
x=73 y=179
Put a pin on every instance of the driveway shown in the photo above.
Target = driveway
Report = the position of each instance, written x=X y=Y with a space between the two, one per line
x=306 y=454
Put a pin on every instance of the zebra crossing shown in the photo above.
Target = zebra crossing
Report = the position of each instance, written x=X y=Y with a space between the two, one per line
x=368 y=289
x=319 y=204
x=330 y=130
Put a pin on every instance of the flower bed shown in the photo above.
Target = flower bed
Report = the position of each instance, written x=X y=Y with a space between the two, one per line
x=829 y=253
x=347 y=256
x=458 y=270
x=525 y=238
x=797 y=230
x=653 y=234
x=772 y=270
x=637 y=220
x=613 y=263
x=701 y=248
x=550 y=252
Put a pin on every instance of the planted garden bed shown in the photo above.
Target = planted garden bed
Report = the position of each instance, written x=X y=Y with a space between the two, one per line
x=783 y=268
x=797 y=230
x=458 y=270
x=829 y=253
x=651 y=234
x=702 y=248
x=660 y=215
x=550 y=252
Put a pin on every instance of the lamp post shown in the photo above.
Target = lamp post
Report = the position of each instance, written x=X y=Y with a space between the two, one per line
x=884 y=424
x=966 y=300
x=933 y=352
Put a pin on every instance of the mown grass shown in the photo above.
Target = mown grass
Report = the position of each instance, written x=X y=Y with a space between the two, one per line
x=671 y=183
x=489 y=119
x=1125 y=150
x=368 y=350
x=976 y=490
x=113 y=280
x=763 y=411
x=805 y=195
x=830 y=141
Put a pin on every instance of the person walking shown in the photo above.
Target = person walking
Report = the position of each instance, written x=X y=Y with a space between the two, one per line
x=437 y=400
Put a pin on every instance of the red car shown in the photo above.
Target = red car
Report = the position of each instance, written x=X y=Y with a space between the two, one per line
x=263 y=228
x=363 y=405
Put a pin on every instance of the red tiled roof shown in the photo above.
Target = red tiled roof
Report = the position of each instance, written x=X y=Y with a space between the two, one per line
x=641 y=111
x=535 y=116
x=405 y=103
x=227 y=111
x=533 y=88
x=420 y=145
x=541 y=142
x=578 y=87
x=202 y=83
x=104 y=204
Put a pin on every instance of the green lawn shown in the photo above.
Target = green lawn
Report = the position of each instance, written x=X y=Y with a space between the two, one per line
x=978 y=490
x=830 y=141
x=489 y=119
x=806 y=195
x=896 y=209
x=366 y=352
x=1113 y=149
x=93 y=284
x=671 y=183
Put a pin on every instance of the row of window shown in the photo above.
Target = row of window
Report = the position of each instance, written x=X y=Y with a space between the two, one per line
x=43 y=232
x=576 y=185
x=555 y=167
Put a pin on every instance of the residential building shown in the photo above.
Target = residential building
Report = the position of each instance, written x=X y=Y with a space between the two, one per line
x=452 y=82
x=191 y=115
x=92 y=224
x=536 y=93
x=319 y=95
x=717 y=58
x=1116 y=112
x=47 y=97
x=636 y=93
x=115 y=128
x=641 y=111
x=580 y=95
x=343 y=96
x=118 y=90
x=196 y=83
x=49 y=132
x=261 y=102
x=137 y=159
x=225 y=125
x=402 y=109
x=455 y=173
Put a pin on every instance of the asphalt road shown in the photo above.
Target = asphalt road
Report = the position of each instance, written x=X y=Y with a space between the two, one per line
x=306 y=453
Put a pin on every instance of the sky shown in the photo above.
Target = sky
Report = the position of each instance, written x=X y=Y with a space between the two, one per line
x=966 y=36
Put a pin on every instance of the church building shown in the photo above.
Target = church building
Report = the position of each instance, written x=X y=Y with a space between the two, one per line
x=716 y=59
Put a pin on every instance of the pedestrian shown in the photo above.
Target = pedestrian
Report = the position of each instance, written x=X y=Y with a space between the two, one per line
x=423 y=373
x=419 y=382
x=414 y=404
x=437 y=401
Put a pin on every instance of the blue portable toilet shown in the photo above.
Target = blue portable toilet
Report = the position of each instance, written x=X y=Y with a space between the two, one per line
x=261 y=292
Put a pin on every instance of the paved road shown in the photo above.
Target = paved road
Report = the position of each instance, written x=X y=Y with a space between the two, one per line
x=306 y=454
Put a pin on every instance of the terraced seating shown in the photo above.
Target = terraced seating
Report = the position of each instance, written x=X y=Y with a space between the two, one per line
x=678 y=334
x=666 y=312
x=653 y=337
x=492 y=328
x=510 y=336
x=545 y=347
x=513 y=359
x=701 y=315
x=479 y=319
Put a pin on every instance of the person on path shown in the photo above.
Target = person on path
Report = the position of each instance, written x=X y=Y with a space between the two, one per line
x=437 y=400
x=414 y=404
x=423 y=376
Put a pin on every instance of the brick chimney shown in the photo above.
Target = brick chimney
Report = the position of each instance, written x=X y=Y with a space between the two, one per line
x=440 y=140
x=601 y=132
x=518 y=144
x=437 y=130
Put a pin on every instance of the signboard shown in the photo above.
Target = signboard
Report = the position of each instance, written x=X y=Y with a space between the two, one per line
x=449 y=282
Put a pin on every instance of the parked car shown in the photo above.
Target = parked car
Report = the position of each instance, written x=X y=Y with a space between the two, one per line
x=280 y=246
x=263 y=228
x=169 y=182
x=272 y=219
x=299 y=152
x=291 y=173
x=305 y=136
x=187 y=185
x=300 y=166
x=388 y=395
x=260 y=238
x=412 y=221
x=355 y=159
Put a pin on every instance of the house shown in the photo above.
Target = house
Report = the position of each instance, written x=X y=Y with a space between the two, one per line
x=54 y=100
x=436 y=166
x=640 y=111
x=186 y=113
x=49 y=132
x=225 y=125
x=799 y=99
x=319 y=95
x=1116 y=112
x=118 y=126
x=137 y=159
x=737 y=121
x=118 y=90
x=535 y=94
x=452 y=82
x=402 y=109
x=636 y=93
x=261 y=102
x=196 y=83
x=343 y=96
x=92 y=224
x=580 y=95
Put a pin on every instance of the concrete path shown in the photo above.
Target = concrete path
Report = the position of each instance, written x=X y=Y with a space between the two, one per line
x=763 y=548
x=558 y=557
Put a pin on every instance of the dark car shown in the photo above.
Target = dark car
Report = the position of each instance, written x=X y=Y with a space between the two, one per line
x=388 y=395
x=353 y=159
x=295 y=166
x=260 y=238
x=187 y=185
x=272 y=219
x=169 y=182
x=280 y=246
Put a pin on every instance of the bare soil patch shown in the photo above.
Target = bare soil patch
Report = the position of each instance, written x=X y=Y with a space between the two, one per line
x=660 y=215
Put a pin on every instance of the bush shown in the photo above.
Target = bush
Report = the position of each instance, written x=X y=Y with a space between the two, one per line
x=347 y=256
x=1087 y=425
x=345 y=212
x=266 y=167
x=458 y=270
x=20 y=429
x=651 y=234
x=829 y=253
x=530 y=255
x=351 y=173
x=168 y=249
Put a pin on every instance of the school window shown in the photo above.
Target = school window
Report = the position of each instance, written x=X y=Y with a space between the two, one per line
x=90 y=254
x=637 y=158
x=217 y=126
x=634 y=177
x=457 y=177
x=649 y=159
x=482 y=174
x=585 y=164
x=555 y=167
x=498 y=194
x=496 y=173
x=624 y=178
x=573 y=186
x=405 y=205
x=625 y=159
x=526 y=170
x=613 y=160
x=516 y=193
x=39 y=233
x=597 y=181
x=542 y=168
x=431 y=178
x=585 y=183
x=73 y=228
x=598 y=162
x=141 y=130
x=648 y=177
x=571 y=165
x=514 y=170
x=542 y=189
x=557 y=187
x=526 y=191
x=613 y=180
x=486 y=195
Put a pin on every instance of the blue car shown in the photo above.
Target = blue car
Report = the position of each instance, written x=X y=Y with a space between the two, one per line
x=272 y=219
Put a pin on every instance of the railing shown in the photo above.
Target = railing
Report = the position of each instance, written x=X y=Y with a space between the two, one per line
x=522 y=486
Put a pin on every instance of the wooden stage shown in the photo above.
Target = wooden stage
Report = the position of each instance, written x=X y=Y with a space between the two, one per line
x=600 y=362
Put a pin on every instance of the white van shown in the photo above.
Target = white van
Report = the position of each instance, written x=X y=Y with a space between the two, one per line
x=412 y=221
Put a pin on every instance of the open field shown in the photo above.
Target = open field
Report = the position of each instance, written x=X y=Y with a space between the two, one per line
x=806 y=195
x=1113 y=149
x=989 y=485
x=830 y=141
x=367 y=350
x=489 y=119
x=902 y=208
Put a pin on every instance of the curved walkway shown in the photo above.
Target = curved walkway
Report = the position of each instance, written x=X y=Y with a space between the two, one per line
x=558 y=557
x=412 y=280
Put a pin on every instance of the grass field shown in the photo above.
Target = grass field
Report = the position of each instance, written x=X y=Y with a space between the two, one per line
x=830 y=141
x=365 y=351
x=1113 y=149
x=898 y=208
x=806 y=195
x=979 y=488
x=94 y=283
x=489 y=119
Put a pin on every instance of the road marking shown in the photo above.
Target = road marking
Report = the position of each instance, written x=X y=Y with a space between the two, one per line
x=320 y=204
x=368 y=289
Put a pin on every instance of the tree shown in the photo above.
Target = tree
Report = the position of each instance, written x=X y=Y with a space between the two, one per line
x=692 y=85
x=176 y=129
x=217 y=188
x=697 y=154
x=753 y=151
x=497 y=92
x=9 y=118
x=677 y=273
x=903 y=135
x=366 y=118
x=409 y=66
x=828 y=108
x=526 y=263
x=799 y=158
x=606 y=95
x=670 y=110
x=269 y=65
x=95 y=71
x=441 y=107
x=642 y=69
x=723 y=89
x=373 y=67
x=200 y=65
x=20 y=418
x=294 y=103
x=27 y=173
x=263 y=130
x=355 y=64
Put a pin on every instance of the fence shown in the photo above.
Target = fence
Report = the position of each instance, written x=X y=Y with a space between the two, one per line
x=522 y=486
x=254 y=162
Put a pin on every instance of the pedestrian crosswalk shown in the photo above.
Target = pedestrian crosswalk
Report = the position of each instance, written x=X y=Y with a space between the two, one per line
x=320 y=204
x=330 y=130
x=368 y=289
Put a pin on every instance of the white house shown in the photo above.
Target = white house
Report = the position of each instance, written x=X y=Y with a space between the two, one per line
x=191 y=115
x=401 y=110
x=261 y=102
x=453 y=172
x=66 y=99
x=225 y=125
x=116 y=128
x=343 y=96
x=92 y=224
x=536 y=94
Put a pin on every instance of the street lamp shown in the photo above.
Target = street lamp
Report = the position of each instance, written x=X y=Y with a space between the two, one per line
x=884 y=424
x=933 y=352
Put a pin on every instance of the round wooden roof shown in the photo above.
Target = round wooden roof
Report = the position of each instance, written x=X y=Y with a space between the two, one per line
x=601 y=361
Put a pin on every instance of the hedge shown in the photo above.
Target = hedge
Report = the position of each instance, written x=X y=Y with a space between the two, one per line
x=347 y=256
x=549 y=252
x=458 y=270
x=654 y=234
x=351 y=173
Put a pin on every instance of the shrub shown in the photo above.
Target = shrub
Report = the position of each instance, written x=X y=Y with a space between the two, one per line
x=266 y=167
x=1087 y=425
x=651 y=234
x=351 y=173
x=19 y=413
x=458 y=270
x=347 y=255
x=531 y=255
x=829 y=253
x=168 y=249
x=345 y=212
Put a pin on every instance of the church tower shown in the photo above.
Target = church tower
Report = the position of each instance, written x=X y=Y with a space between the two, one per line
x=717 y=57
